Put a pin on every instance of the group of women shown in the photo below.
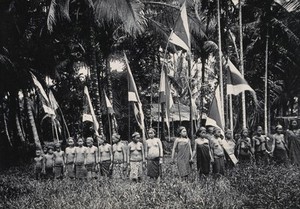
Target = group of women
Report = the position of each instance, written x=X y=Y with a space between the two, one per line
x=210 y=151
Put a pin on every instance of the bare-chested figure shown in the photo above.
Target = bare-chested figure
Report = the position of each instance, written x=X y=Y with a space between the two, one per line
x=80 y=160
x=154 y=154
x=279 y=147
x=69 y=158
x=59 y=162
x=136 y=157
x=105 y=157
x=91 y=158
x=38 y=164
x=49 y=163
x=119 y=157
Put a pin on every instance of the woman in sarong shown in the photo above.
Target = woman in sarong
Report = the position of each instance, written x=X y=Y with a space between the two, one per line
x=105 y=158
x=136 y=157
x=69 y=158
x=279 y=147
x=154 y=155
x=119 y=157
x=203 y=152
x=293 y=141
x=80 y=160
x=184 y=152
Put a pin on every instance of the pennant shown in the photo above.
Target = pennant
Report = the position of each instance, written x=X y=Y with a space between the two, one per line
x=235 y=81
x=215 y=116
x=165 y=95
x=180 y=35
x=43 y=96
x=88 y=110
x=108 y=104
x=133 y=96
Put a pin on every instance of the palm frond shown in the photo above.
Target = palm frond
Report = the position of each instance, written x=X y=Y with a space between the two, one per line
x=51 y=19
x=127 y=13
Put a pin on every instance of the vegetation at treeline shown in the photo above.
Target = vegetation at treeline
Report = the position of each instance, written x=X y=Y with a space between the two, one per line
x=251 y=187
x=54 y=39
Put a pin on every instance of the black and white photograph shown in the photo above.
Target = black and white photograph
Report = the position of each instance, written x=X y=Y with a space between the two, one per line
x=163 y=104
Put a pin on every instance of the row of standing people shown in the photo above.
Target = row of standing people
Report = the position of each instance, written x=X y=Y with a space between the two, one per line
x=118 y=160
x=209 y=148
x=212 y=150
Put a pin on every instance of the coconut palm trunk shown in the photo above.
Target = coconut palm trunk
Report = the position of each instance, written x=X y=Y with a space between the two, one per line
x=32 y=121
x=95 y=80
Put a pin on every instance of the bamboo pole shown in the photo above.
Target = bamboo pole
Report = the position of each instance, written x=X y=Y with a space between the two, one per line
x=266 y=83
x=242 y=63
x=220 y=57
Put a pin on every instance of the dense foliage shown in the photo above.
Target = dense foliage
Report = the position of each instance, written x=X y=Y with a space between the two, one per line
x=53 y=39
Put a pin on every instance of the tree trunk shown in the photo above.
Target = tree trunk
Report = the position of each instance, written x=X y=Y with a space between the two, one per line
x=31 y=121
x=19 y=129
x=95 y=79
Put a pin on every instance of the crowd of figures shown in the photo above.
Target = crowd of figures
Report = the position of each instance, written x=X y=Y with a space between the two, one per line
x=211 y=152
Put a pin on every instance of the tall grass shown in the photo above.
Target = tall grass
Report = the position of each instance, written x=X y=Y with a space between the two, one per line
x=251 y=187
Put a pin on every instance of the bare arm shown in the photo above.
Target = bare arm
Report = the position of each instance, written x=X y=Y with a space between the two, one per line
x=273 y=143
x=161 y=150
x=146 y=150
x=174 y=147
x=194 y=151
x=128 y=153
x=190 y=148
x=111 y=154
x=143 y=153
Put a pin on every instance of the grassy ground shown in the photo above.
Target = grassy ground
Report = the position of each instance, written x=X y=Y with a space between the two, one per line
x=251 y=187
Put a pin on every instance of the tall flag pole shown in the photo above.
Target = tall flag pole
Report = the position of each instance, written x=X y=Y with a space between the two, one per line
x=88 y=111
x=242 y=63
x=266 y=84
x=236 y=84
x=165 y=96
x=220 y=59
x=133 y=97
x=180 y=36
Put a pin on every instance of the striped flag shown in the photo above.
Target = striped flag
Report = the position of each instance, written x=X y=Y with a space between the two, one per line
x=88 y=110
x=236 y=83
x=133 y=96
x=180 y=35
x=165 y=95
x=215 y=116
x=43 y=96
x=111 y=111
x=108 y=104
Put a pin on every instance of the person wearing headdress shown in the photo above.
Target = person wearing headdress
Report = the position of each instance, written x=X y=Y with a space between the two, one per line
x=119 y=157
x=293 y=141
x=184 y=153
x=260 y=148
x=203 y=152
x=244 y=147
x=153 y=154
x=105 y=157
x=136 y=157
x=279 y=147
